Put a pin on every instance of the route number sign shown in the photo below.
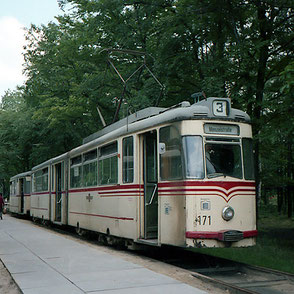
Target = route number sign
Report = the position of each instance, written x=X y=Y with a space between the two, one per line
x=220 y=108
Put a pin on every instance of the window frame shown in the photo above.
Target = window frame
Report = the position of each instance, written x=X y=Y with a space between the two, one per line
x=246 y=159
x=88 y=162
x=186 y=157
x=170 y=160
x=39 y=176
x=75 y=163
x=126 y=170
x=224 y=141
x=105 y=155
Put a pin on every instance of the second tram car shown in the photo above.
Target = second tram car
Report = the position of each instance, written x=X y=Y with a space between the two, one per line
x=180 y=176
x=49 y=191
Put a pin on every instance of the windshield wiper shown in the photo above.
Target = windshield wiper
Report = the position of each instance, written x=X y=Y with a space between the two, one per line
x=216 y=175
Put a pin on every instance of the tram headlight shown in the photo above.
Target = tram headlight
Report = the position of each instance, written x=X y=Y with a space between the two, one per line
x=228 y=213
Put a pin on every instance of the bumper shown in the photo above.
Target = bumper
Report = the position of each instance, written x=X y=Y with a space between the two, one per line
x=225 y=236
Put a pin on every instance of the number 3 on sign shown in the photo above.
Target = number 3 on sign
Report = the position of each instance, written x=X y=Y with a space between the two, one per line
x=219 y=108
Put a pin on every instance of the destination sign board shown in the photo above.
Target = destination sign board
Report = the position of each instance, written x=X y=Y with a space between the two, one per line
x=223 y=129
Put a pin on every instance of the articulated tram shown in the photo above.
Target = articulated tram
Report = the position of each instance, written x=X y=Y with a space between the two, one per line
x=179 y=176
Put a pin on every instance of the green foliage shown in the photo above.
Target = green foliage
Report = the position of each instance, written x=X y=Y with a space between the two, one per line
x=287 y=77
x=16 y=134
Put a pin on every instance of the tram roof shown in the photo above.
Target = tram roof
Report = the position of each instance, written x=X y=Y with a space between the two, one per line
x=200 y=110
x=151 y=117
x=51 y=161
x=21 y=175
x=139 y=115
x=154 y=116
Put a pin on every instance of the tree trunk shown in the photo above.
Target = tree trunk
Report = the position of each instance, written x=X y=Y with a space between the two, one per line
x=289 y=181
x=265 y=32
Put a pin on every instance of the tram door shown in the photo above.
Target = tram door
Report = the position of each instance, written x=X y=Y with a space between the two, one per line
x=58 y=188
x=21 y=192
x=150 y=185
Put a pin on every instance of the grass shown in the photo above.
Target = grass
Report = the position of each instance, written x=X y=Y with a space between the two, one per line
x=274 y=248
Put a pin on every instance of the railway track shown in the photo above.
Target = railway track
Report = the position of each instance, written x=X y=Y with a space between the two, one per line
x=234 y=277
x=242 y=278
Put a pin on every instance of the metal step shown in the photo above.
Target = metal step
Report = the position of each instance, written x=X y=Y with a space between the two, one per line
x=152 y=242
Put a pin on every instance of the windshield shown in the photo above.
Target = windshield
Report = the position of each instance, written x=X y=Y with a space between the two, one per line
x=223 y=159
x=193 y=154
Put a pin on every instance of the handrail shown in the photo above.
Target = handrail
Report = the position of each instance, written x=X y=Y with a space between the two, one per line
x=60 y=200
x=153 y=194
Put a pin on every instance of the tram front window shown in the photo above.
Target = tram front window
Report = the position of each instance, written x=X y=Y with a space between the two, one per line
x=223 y=160
x=193 y=154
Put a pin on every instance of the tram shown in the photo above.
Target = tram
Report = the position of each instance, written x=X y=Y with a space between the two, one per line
x=20 y=192
x=180 y=176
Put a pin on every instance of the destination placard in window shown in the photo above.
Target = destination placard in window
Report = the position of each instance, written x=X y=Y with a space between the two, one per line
x=222 y=129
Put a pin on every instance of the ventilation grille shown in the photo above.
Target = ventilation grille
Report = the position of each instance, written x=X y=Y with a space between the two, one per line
x=232 y=236
x=196 y=114
x=240 y=116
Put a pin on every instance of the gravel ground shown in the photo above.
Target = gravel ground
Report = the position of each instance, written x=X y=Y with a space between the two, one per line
x=7 y=284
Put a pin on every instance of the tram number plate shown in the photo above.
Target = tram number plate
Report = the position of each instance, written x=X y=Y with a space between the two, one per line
x=203 y=220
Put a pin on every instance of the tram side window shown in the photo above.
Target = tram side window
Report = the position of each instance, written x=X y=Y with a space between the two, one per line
x=13 y=188
x=45 y=179
x=27 y=186
x=128 y=160
x=170 y=153
x=76 y=172
x=90 y=168
x=41 y=180
x=108 y=164
x=248 y=158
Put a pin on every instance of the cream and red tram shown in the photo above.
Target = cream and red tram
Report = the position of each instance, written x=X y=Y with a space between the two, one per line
x=20 y=192
x=180 y=176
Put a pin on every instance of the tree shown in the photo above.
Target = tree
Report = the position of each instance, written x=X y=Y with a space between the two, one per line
x=16 y=133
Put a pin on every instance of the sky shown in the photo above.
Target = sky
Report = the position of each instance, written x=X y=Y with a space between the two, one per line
x=15 y=15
